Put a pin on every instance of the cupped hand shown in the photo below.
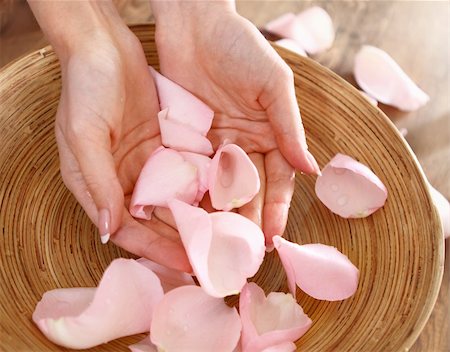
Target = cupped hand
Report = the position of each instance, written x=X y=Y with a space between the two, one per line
x=223 y=59
x=106 y=128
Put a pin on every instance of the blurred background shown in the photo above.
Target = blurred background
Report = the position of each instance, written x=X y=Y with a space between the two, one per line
x=415 y=33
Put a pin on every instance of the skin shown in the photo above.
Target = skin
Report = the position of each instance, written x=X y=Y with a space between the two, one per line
x=106 y=124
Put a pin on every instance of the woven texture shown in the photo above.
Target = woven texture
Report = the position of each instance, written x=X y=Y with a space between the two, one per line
x=47 y=241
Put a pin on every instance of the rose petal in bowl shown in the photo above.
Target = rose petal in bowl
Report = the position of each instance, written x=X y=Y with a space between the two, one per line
x=224 y=248
x=185 y=108
x=170 y=278
x=270 y=322
x=188 y=319
x=443 y=207
x=165 y=175
x=349 y=188
x=121 y=305
x=233 y=178
x=291 y=45
x=144 y=345
x=319 y=270
x=284 y=347
x=380 y=76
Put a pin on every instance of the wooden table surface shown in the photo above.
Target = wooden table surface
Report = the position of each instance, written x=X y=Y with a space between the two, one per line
x=415 y=33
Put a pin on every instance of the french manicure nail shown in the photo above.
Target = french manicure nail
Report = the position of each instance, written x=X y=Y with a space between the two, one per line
x=104 y=220
x=313 y=163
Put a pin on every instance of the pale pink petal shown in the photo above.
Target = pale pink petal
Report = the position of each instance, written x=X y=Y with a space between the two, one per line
x=284 y=347
x=185 y=108
x=380 y=76
x=312 y=29
x=233 y=178
x=166 y=175
x=292 y=45
x=144 y=345
x=202 y=163
x=188 y=319
x=320 y=271
x=272 y=322
x=122 y=305
x=443 y=207
x=349 y=188
x=370 y=99
x=224 y=249
x=170 y=278
x=403 y=131
x=181 y=137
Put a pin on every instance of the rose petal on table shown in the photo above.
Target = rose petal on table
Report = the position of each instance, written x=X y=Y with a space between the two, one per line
x=170 y=278
x=121 y=305
x=188 y=319
x=202 y=164
x=224 y=248
x=144 y=345
x=349 y=188
x=291 y=45
x=443 y=207
x=185 y=108
x=181 y=137
x=319 y=270
x=165 y=175
x=270 y=322
x=380 y=76
x=370 y=99
x=233 y=178
x=311 y=29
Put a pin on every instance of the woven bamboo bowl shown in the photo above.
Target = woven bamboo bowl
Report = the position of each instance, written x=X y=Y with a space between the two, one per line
x=47 y=241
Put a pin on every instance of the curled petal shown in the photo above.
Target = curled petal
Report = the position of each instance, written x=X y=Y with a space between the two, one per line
x=292 y=45
x=170 y=278
x=443 y=207
x=380 y=76
x=121 y=305
x=224 y=249
x=270 y=323
x=185 y=108
x=319 y=270
x=181 y=137
x=144 y=345
x=166 y=175
x=233 y=178
x=311 y=29
x=188 y=319
x=349 y=188
x=370 y=99
x=202 y=163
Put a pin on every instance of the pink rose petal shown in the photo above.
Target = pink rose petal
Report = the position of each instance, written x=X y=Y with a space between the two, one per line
x=320 y=271
x=170 y=278
x=224 y=249
x=166 y=175
x=370 y=99
x=272 y=322
x=443 y=207
x=144 y=345
x=202 y=164
x=233 y=178
x=185 y=108
x=188 y=319
x=292 y=45
x=312 y=29
x=122 y=305
x=380 y=76
x=349 y=188
x=285 y=347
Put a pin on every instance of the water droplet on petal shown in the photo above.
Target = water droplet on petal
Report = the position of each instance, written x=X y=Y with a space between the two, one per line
x=342 y=200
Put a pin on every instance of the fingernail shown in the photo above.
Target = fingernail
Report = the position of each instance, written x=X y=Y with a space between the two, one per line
x=104 y=220
x=313 y=163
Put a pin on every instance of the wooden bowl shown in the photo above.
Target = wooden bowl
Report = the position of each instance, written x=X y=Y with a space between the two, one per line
x=47 y=241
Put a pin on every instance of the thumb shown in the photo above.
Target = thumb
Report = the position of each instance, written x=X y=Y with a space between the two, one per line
x=283 y=112
x=93 y=153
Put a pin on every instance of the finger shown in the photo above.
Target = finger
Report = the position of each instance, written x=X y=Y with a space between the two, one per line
x=280 y=102
x=254 y=209
x=91 y=146
x=280 y=183
x=206 y=204
x=145 y=242
x=165 y=215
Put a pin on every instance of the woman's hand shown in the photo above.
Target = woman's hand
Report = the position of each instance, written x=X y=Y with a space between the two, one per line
x=106 y=128
x=222 y=58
